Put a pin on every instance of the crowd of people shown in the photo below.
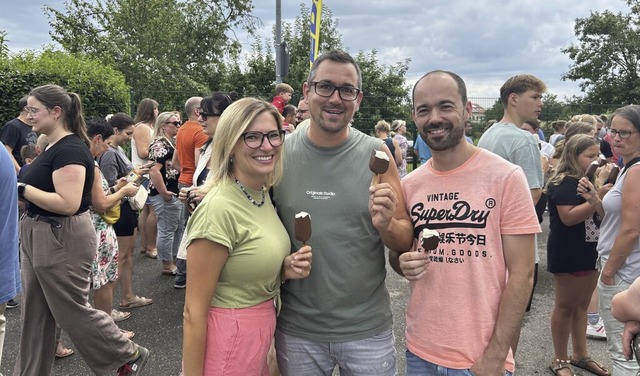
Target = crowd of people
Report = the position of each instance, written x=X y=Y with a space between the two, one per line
x=219 y=201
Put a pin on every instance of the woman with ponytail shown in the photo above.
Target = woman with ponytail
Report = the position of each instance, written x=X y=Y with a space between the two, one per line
x=58 y=243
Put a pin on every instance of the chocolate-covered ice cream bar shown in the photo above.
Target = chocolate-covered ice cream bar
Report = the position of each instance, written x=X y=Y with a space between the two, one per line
x=378 y=164
x=591 y=170
x=430 y=239
x=303 y=227
x=613 y=175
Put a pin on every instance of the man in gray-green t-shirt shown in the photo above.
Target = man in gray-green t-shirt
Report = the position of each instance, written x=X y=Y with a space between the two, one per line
x=340 y=314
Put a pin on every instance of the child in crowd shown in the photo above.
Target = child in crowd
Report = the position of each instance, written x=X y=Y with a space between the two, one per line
x=282 y=97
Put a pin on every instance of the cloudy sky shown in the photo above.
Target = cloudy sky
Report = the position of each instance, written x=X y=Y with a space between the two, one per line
x=485 y=41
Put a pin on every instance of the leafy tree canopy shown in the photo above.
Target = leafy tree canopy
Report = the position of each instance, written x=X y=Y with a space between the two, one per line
x=607 y=55
x=101 y=88
x=161 y=46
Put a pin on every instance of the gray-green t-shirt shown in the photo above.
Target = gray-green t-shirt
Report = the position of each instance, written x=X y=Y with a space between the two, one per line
x=516 y=146
x=345 y=297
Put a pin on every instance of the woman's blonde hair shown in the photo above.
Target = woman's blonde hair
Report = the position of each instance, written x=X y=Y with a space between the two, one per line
x=568 y=165
x=158 y=128
x=233 y=122
x=383 y=126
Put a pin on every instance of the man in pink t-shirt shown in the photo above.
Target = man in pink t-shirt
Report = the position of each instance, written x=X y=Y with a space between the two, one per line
x=469 y=294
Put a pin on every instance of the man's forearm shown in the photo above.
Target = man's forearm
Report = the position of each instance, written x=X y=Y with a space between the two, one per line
x=510 y=314
x=536 y=193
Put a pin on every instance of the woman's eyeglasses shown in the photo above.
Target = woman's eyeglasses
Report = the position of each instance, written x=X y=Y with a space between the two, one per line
x=176 y=123
x=622 y=134
x=254 y=140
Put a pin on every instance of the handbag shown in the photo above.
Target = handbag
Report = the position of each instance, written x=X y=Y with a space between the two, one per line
x=137 y=202
x=112 y=215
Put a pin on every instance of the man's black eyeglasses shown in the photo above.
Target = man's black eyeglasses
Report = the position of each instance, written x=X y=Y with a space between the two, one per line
x=325 y=89
x=254 y=140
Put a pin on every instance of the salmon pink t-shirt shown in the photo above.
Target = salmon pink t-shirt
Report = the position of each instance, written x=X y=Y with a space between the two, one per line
x=453 y=309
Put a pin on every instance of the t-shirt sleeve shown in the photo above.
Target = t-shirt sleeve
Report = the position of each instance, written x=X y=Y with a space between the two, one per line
x=109 y=166
x=565 y=193
x=72 y=153
x=518 y=215
x=10 y=136
x=200 y=139
x=215 y=222
x=158 y=152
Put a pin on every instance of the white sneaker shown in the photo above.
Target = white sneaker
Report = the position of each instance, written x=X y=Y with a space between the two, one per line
x=597 y=330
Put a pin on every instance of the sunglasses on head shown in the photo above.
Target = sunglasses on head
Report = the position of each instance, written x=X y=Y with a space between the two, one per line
x=205 y=115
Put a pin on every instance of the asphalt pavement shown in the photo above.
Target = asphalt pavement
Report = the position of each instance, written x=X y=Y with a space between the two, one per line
x=158 y=327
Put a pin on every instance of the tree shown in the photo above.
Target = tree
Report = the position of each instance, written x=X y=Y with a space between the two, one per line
x=384 y=87
x=386 y=95
x=101 y=88
x=495 y=112
x=163 y=47
x=552 y=108
x=607 y=55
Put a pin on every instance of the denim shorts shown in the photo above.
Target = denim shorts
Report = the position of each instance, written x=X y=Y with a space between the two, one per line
x=373 y=356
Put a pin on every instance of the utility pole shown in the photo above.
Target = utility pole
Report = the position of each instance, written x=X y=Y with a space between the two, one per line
x=278 y=43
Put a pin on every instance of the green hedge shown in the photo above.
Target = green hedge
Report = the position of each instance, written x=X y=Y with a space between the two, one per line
x=103 y=89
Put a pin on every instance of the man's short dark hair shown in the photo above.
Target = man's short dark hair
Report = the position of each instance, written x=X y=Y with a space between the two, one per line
x=337 y=56
x=22 y=103
x=462 y=87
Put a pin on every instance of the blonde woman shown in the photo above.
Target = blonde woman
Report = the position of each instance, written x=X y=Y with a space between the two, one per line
x=238 y=248
x=163 y=190
x=400 y=128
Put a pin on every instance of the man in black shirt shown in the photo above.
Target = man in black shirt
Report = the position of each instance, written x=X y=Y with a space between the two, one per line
x=16 y=133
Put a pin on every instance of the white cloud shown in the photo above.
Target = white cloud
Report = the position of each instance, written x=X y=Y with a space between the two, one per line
x=485 y=41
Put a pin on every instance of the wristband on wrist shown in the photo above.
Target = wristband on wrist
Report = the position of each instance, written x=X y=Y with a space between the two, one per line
x=21 y=188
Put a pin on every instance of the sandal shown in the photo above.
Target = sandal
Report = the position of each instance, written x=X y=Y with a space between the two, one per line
x=128 y=333
x=171 y=271
x=591 y=366
x=118 y=316
x=137 y=302
x=151 y=254
x=559 y=364
x=64 y=352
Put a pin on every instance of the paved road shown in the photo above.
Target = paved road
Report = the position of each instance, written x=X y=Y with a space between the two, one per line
x=159 y=326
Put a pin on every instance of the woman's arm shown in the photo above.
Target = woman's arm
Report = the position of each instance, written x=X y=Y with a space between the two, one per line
x=629 y=231
x=397 y=153
x=143 y=139
x=571 y=215
x=156 y=178
x=205 y=262
x=103 y=202
x=68 y=183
